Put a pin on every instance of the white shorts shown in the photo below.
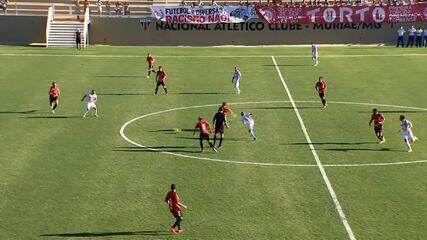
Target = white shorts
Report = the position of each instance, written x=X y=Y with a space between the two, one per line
x=236 y=83
x=250 y=125
x=408 y=135
x=90 y=105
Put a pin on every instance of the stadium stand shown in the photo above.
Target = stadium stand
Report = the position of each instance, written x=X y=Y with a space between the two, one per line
x=67 y=7
x=139 y=8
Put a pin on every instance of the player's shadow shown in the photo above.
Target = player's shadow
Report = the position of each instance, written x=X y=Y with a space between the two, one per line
x=118 y=76
x=225 y=139
x=397 y=112
x=281 y=108
x=287 y=65
x=106 y=234
x=174 y=149
x=171 y=131
x=124 y=94
x=200 y=93
x=52 y=117
x=331 y=143
x=20 y=112
x=360 y=149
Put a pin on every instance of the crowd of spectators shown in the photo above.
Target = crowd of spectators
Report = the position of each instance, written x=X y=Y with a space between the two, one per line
x=302 y=3
x=120 y=8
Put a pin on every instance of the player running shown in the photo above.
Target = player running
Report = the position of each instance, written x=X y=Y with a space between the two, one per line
x=91 y=99
x=249 y=122
x=161 y=80
x=150 y=62
x=53 y=97
x=321 y=89
x=237 y=75
x=172 y=199
x=406 y=130
x=315 y=54
x=204 y=130
x=219 y=122
x=378 y=120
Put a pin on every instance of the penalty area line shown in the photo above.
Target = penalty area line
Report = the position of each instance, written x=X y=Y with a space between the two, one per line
x=316 y=157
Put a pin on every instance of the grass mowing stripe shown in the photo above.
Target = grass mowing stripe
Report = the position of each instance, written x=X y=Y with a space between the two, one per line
x=316 y=157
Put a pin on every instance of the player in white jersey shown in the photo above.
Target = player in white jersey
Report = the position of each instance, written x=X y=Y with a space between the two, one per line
x=237 y=75
x=406 y=130
x=249 y=122
x=315 y=54
x=91 y=99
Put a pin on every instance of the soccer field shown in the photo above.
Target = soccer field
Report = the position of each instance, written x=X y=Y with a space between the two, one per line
x=313 y=173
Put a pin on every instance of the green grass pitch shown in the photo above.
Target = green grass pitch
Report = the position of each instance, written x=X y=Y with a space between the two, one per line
x=65 y=177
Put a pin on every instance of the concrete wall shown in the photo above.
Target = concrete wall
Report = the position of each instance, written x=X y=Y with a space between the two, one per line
x=22 y=30
x=130 y=31
x=116 y=31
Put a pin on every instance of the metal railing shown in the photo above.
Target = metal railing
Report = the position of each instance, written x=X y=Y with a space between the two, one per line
x=86 y=27
x=50 y=17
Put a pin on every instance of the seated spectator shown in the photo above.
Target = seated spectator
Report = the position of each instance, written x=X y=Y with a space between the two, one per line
x=85 y=5
x=99 y=6
x=214 y=4
x=183 y=3
x=200 y=3
x=118 y=8
x=108 y=7
x=126 y=10
x=3 y=6
x=77 y=6
x=225 y=4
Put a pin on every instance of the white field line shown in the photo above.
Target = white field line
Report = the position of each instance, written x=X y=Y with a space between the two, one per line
x=123 y=135
x=316 y=157
x=208 y=56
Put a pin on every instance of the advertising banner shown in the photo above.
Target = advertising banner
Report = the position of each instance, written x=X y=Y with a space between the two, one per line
x=343 y=14
x=203 y=14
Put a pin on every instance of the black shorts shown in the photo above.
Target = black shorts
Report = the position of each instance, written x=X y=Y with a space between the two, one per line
x=162 y=83
x=378 y=129
x=322 y=95
x=204 y=137
x=78 y=40
x=219 y=130
x=177 y=215
x=53 y=99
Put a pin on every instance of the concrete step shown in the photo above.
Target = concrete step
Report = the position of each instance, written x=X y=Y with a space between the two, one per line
x=67 y=22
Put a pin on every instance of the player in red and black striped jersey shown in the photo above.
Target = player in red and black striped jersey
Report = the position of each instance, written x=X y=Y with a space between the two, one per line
x=150 y=63
x=172 y=199
x=378 y=120
x=205 y=131
x=161 y=80
x=321 y=89
x=53 y=97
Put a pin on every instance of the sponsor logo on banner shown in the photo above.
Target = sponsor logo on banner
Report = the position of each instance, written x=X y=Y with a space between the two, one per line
x=343 y=14
x=203 y=15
